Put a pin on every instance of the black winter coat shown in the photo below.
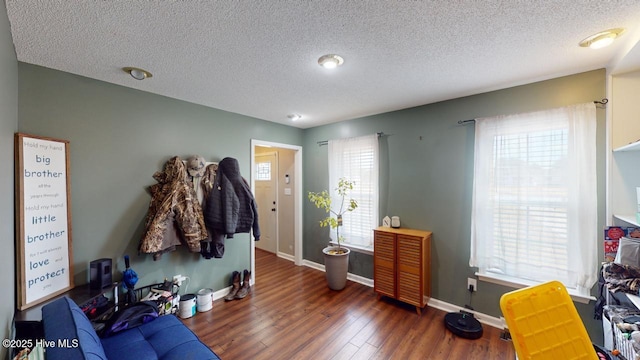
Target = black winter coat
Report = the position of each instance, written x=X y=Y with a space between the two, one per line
x=231 y=207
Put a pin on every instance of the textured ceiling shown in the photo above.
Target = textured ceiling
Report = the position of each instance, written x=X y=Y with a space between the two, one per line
x=259 y=57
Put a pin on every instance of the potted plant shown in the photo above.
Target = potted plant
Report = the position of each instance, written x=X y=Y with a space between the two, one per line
x=336 y=258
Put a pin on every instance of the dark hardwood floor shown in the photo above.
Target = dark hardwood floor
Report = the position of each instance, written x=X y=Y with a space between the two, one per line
x=292 y=314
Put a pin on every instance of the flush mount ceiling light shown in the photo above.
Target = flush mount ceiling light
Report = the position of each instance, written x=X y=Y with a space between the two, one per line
x=330 y=61
x=294 y=117
x=137 y=73
x=601 y=39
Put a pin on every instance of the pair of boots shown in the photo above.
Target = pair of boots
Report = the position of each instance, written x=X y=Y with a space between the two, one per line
x=239 y=291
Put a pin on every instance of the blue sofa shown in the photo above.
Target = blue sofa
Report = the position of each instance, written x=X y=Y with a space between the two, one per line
x=69 y=335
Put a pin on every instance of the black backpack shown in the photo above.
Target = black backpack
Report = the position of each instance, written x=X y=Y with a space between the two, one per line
x=129 y=317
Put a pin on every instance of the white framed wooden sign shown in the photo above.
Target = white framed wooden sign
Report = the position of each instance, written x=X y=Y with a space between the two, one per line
x=43 y=219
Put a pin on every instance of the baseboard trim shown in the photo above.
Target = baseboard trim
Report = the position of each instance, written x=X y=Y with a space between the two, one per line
x=493 y=321
x=360 y=279
x=353 y=277
x=217 y=295
x=313 y=265
x=286 y=256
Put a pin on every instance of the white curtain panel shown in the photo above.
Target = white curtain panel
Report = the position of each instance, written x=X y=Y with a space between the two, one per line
x=534 y=207
x=356 y=159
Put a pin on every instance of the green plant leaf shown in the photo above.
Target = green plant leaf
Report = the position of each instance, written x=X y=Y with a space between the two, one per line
x=322 y=200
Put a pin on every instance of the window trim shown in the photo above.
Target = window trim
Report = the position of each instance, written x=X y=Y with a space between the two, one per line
x=577 y=295
x=354 y=248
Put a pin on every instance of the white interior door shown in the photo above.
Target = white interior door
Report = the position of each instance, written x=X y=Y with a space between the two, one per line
x=266 y=194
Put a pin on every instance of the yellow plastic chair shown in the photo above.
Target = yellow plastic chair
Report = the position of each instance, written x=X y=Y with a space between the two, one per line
x=544 y=324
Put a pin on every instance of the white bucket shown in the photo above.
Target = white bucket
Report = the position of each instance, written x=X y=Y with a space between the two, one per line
x=204 y=300
x=187 y=306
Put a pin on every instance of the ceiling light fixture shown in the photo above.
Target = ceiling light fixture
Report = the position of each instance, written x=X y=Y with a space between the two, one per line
x=137 y=73
x=601 y=39
x=330 y=61
x=294 y=117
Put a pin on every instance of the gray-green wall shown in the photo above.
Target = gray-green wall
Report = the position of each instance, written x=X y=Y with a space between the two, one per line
x=118 y=138
x=427 y=172
x=8 y=126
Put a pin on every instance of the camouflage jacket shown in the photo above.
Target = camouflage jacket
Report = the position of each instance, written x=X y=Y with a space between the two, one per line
x=175 y=215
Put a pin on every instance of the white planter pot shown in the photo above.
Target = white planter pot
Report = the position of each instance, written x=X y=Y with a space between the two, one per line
x=336 y=267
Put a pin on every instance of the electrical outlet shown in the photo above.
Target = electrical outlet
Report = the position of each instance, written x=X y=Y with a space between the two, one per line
x=178 y=279
x=472 y=282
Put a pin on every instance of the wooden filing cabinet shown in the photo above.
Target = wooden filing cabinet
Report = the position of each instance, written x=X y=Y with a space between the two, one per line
x=402 y=265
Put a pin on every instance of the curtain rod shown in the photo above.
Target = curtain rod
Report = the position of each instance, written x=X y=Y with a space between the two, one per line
x=602 y=102
x=325 y=142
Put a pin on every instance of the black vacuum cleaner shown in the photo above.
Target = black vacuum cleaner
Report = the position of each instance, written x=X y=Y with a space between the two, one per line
x=463 y=323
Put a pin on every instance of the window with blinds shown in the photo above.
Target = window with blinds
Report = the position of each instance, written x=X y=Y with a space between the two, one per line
x=356 y=159
x=530 y=202
x=534 y=214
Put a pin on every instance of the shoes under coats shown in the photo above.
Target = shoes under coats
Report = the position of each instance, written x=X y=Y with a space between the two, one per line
x=246 y=285
x=235 y=286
